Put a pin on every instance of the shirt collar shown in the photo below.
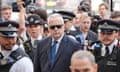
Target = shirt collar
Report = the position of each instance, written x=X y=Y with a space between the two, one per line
x=111 y=46
x=58 y=40
x=39 y=38
x=7 y=53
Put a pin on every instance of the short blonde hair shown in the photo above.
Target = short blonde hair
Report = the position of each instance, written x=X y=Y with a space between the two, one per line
x=84 y=16
x=105 y=5
x=5 y=7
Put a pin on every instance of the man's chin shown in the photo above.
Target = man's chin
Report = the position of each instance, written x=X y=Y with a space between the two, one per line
x=7 y=49
x=57 y=36
x=107 y=43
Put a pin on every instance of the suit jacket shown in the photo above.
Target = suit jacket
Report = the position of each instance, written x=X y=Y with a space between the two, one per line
x=91 y=36
x=62 y=59
x=29 y=49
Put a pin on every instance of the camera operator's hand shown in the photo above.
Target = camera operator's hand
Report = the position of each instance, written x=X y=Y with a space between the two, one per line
x=20 y=4
x=21 y=16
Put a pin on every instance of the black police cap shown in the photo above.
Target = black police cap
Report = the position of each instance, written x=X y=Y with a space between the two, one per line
x=67 y=15
x=8 y=28
x=108 y=26
x=33 y=20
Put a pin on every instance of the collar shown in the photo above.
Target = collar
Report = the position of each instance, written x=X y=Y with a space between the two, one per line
x=59 y=40
x=111 y=46
x=39 y=38
x=33 y=39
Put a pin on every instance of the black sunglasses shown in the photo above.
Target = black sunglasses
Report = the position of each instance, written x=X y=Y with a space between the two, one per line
x=54 y=26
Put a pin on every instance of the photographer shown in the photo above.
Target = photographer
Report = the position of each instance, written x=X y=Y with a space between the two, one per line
x=94 y=25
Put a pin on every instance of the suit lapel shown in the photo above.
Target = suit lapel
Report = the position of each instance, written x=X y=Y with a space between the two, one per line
x=48 y=46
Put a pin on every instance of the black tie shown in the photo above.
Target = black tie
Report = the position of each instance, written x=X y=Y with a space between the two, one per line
x=35 y=43
x=107 y=51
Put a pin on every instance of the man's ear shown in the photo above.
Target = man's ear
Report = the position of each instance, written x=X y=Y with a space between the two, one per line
x=70 y=67
x=95 y=68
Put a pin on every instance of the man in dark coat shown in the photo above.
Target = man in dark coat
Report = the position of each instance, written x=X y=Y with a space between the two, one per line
x=85 y=36
x=54 y=53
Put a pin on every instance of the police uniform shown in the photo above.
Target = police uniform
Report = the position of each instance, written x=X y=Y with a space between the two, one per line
x=107 y=57
x=14 y=60
x=31 y=44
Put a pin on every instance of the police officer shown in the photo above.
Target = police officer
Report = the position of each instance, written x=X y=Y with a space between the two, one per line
x=107 y=51
x=12 y=58
x=34 y=27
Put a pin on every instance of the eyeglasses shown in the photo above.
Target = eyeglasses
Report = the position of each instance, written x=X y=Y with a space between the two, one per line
x=54 y=26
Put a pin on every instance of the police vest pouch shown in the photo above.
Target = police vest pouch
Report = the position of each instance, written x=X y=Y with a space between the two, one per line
x=7 y=61
x=27 y=47
x=3 y=62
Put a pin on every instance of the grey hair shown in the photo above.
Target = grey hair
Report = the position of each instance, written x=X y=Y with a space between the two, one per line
x=55 y=16
x=83 y=54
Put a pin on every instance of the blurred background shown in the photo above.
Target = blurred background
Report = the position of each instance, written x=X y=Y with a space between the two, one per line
x=70 y=5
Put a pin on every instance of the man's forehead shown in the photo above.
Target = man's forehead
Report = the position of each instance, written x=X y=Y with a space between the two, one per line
x=81 y=62
x=83 y=69
x=55 y=21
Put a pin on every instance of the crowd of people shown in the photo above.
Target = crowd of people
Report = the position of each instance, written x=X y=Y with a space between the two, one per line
x=62 y=41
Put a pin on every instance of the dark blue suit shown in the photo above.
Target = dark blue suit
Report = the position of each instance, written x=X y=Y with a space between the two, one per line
x=62 y=59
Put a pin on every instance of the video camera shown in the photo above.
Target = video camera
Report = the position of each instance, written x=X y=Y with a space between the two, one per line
x=84 y=6
x=31 y=8
x=25 y=4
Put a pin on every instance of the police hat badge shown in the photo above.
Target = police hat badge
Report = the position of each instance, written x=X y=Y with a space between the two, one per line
x=8 y=28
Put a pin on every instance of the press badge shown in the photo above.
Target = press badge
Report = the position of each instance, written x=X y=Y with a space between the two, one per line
x=111 y=63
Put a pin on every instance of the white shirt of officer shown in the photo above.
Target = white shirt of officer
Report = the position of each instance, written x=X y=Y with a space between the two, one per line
x=33 y=39
x=22 y=65
x=110 y=47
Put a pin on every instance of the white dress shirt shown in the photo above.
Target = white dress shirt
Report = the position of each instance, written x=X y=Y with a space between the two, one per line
x=33 y=39
x=111 y=46
x=58 y=42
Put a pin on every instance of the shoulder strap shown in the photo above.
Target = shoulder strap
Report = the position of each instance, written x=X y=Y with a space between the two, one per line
x=5 y=64
x=18 y=54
